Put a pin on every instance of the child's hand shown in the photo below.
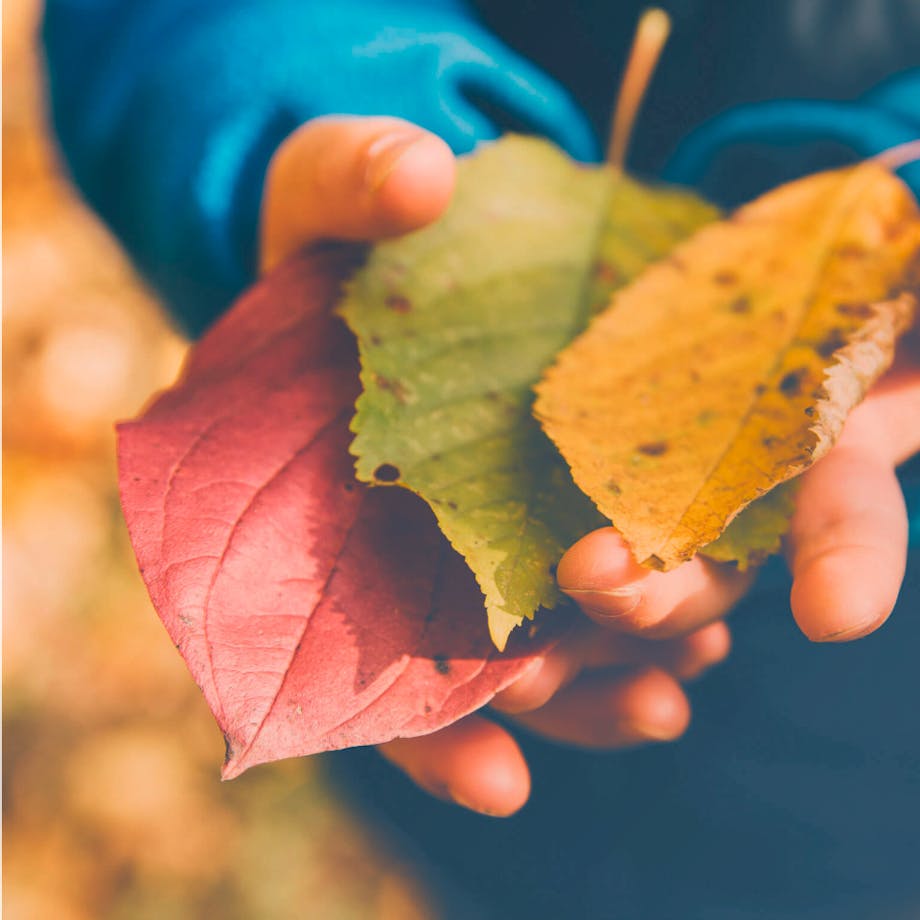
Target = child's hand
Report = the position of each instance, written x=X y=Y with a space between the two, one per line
x=847 y=551
x=349 y=178
x=847 y=547
x=615 y=681
x=368 y=178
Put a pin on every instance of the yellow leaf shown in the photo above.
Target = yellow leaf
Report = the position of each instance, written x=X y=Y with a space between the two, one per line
x=731 y=366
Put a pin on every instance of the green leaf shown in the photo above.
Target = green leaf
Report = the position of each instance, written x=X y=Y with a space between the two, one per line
x=756 y=533
x=455 y=324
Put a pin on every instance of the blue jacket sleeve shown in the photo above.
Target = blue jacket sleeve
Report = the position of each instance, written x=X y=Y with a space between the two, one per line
x=886 y=117
x=169 y=112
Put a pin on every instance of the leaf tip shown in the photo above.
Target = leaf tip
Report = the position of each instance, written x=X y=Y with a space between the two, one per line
x=239 y=758
x=232 y=766
x=501 y=625
x=657 y=563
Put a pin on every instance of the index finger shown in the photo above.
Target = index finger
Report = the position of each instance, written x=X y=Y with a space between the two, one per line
x=601 y=576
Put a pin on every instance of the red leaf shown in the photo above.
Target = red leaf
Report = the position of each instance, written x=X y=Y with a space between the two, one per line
x=313 y=612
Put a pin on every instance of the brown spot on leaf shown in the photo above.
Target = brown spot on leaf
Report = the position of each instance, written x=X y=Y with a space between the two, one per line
x=910 y=280
x=386 y=472
x=398 y=304
x=740 y=306
x=606 y=273
x=856 y=310
x=706 y=417
x=394 y=387
x=894 y=229
x=441 y=664
x=376 y=341
x=833 y=341
x=653 y=448
x=725 y=277
x=613 y=487
x=791 y=384
x=850 y=251
x=809 y=411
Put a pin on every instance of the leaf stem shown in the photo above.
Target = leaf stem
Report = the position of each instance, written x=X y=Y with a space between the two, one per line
x=901 y=155
x=651 y=34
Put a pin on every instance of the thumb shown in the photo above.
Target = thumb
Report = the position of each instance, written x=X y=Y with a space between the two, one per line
x=351 y=178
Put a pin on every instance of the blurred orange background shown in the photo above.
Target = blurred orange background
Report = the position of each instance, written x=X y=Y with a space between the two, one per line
x=112 y=803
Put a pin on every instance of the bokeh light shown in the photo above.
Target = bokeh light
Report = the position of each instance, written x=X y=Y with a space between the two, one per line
x=113 y=809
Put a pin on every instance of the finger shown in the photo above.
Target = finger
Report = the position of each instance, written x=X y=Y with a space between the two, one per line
x=593 y=649
x=555 y=670
x=695 y=654
x=612 y=710
x=352 y=179
x=890 y=412
x=685 y=657
x=847 y=545
x=474 y=763
x=601 y=576
x=900 y=408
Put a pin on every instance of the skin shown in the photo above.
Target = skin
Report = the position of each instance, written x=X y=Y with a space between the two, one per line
x=616 y=680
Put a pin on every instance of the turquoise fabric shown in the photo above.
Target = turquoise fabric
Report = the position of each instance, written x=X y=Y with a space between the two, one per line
x=885 y=117
x=168 y=112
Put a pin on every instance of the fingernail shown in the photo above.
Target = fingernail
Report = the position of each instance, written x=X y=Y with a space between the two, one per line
x=607 y=602
x=458 y=799
x=653 y=732
x=384 y=154
x=850 y=633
